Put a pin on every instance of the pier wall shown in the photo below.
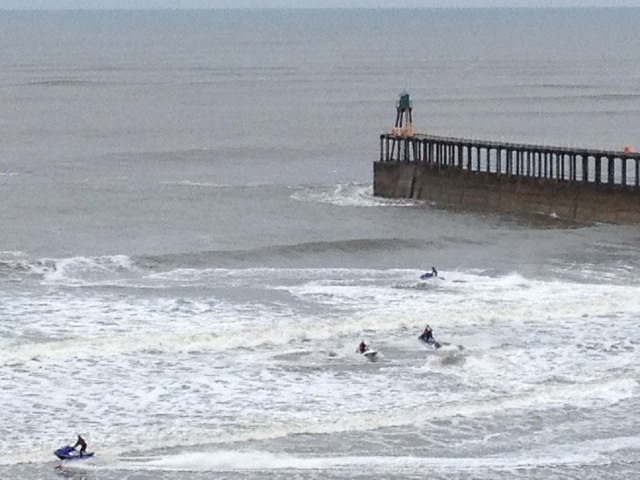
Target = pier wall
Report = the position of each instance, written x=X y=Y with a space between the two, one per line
x=452 y=186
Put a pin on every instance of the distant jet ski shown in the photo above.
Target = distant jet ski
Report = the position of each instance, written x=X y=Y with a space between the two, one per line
x=69 y=453
x=427 y=337
x=364 y=349
x=430 y=342
x=432 y=274
x=370 y=354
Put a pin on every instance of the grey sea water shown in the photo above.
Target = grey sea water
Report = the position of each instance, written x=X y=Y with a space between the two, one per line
x=190 y=250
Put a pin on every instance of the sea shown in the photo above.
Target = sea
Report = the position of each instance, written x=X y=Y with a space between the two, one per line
x=191 y=251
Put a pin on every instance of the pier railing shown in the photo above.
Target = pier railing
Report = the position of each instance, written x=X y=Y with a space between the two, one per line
x=563 y=164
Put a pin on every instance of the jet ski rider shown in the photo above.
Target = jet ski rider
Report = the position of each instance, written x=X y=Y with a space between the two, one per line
x=362 y=347
x=82 y=444
x=427 y=335
x=433 y=273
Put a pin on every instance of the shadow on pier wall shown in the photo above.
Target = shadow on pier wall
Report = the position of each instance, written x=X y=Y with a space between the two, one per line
x=472 y=190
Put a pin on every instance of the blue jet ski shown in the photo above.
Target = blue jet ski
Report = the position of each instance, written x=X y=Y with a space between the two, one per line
x=432 y=274
x=68 y=453
x=430 y=341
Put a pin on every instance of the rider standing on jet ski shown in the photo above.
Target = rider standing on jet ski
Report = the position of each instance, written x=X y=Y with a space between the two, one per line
x=82 y=444
x=362 y=347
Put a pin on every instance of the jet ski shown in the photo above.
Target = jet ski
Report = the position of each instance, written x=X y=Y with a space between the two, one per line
x=69 y=453
x=370 y=354
x=432 y=274
x=429 y=341
x=365 y=351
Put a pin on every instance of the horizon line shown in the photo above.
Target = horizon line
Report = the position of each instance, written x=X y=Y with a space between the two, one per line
x=489 y=7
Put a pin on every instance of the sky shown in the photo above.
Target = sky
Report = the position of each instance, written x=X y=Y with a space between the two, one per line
x=210 y=4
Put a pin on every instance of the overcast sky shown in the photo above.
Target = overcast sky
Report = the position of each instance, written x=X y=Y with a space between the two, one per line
x=128 y=4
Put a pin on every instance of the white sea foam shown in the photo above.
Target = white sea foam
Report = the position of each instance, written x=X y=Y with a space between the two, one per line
x=380 y=309
x=149 y=438
x=230 y=371
x=192 y=183
x=230 y=460
x=349 y=195
x=82 y=270
x=225 y=460
x=12 y=254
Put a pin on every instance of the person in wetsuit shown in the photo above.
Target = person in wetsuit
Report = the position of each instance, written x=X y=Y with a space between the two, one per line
x=427 y=335
x=362 y=347
x=82 y=444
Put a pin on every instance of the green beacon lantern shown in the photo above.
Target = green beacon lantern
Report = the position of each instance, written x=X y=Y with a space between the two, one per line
x=404 y=102
x=404 y=122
